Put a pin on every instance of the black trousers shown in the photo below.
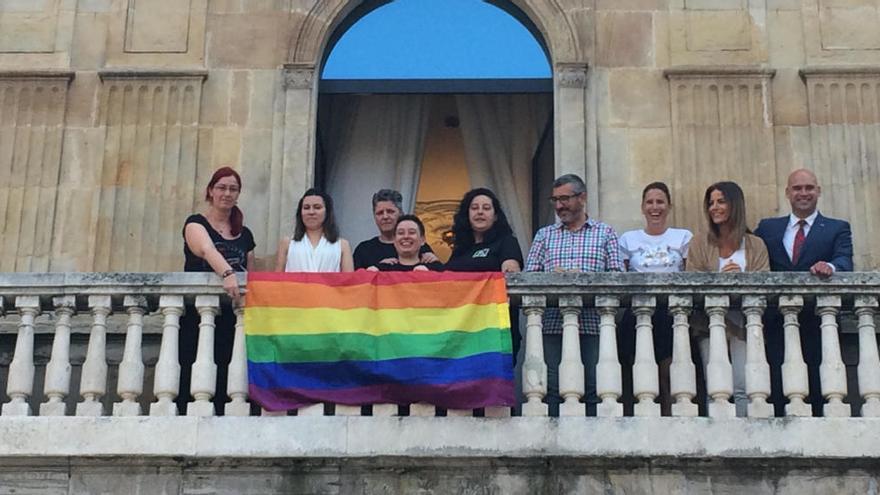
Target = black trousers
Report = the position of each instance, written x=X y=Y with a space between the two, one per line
x=811 y=347
x=224 y=333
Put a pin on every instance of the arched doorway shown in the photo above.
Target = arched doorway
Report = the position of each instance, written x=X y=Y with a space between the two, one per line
x=433 y=134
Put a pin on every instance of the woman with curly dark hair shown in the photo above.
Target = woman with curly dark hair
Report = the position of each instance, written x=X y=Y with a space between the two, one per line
x=483 y=239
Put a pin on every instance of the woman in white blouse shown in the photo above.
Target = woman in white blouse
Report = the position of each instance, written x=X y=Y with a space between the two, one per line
x=656 y=248
x=315 y=245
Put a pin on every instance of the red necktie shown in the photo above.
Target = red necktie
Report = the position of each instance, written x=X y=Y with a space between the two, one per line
x=799 y=239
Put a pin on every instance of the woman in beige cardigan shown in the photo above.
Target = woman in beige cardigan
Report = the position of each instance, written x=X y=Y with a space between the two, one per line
x=727 y=247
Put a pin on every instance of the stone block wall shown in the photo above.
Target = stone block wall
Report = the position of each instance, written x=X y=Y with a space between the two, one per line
x=113 y=113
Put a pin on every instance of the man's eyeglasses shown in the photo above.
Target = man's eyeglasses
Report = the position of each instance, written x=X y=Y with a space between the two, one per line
x=232 y=189
x=565 y=198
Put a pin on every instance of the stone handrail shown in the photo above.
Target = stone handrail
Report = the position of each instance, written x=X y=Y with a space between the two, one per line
x=697 y=284
x=136 y=295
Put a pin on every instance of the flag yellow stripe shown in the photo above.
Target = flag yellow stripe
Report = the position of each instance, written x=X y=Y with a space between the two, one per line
x=313 y=321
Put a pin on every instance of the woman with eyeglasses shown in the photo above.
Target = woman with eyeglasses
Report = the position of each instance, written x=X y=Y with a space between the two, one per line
x=215 y=240
x=727 y=247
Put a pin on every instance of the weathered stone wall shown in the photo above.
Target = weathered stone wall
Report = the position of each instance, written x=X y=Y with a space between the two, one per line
x=335 y=455
x=436 y=476
x=114 y=112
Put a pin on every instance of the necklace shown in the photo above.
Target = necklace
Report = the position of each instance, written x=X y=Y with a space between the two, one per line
x=223 y=228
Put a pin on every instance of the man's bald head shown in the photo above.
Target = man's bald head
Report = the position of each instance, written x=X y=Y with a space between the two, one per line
x=802 y=174
x=803 y=191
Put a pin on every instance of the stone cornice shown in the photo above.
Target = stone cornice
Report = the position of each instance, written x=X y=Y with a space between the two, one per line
x=152 y=74
x=840 y=70
x=37 y=74
x=713 y=71
x=379 y=439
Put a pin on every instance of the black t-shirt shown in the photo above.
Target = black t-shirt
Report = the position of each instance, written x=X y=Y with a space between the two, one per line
x=436 y=266
x=370 y=253
x=486 y=257
x=235 y=251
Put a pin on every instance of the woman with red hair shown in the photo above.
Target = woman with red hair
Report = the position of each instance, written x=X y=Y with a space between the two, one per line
x=216 y=240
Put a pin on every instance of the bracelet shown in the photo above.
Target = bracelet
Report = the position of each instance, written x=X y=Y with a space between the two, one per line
x=227 y=273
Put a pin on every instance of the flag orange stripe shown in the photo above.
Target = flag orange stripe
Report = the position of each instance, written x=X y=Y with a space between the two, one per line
x=444 y=294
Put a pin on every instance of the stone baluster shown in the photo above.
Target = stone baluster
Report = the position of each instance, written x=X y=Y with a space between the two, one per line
x=312 y=410
x=534 y=369
x=20 y=384
x=57 y=383
x=571 y=368
x=497 y=412
x=459 y=412
x=386 y=410
x=832 y=371
x=204 y=370
x=237 y=382
x=757 y=370
x=609 y=384
x=719 y=372
x=869 y=361
x=93 y=384
x=167 y=380
x=682 y=371
x=646 y=380
x=795 y=383
x=422 y=409
x=131 y=368
x=344 y=410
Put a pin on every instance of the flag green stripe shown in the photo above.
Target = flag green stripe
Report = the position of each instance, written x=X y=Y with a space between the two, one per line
x=330 y=347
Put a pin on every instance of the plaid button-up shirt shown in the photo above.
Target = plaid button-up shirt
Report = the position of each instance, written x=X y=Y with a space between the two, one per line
x=591 y=248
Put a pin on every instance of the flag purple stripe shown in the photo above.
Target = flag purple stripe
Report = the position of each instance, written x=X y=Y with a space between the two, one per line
x=459 y=395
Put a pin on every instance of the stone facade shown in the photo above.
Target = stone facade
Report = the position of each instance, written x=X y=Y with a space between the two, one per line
x=113 y=113
x=284 y=455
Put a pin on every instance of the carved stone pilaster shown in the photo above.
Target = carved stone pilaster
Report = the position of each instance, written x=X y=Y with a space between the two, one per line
x=722 y=128
x=32 y=105
x=845 y=142
x=149 y=171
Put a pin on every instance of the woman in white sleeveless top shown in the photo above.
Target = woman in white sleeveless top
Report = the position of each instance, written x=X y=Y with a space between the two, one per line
x=316 y=245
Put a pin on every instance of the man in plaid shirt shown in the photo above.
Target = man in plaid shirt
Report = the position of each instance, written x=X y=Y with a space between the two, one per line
x=576 y=243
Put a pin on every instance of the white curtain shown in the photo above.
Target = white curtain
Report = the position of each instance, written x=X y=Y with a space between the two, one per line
x=501 y=135
x=371 y=142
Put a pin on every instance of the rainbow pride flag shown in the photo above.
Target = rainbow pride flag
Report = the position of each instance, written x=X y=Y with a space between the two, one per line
x=378 y=337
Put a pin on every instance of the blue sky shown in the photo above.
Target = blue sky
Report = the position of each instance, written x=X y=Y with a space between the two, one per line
x=437 y=39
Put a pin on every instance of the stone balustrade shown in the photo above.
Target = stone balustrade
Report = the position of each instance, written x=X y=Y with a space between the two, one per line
x=851 y=299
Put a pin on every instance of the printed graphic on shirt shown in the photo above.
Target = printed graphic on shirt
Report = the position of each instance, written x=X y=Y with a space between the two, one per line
x=660 y=256
x=481 y=253
x=234 y=255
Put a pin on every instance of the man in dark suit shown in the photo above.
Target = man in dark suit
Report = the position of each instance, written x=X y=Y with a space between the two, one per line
x=804 y=240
